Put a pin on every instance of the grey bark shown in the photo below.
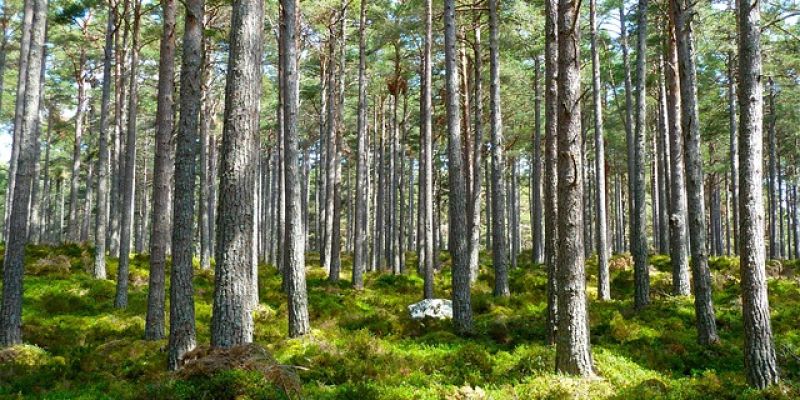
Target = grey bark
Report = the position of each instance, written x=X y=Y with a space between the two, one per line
x=103 y=157
x=536 y=170
x=426 y=178
x=181 y=293
x=678 y=231
x=774 y=245
x=636 y=170
x=701 y=276
x=629 y=145
x=162 y=174
x=462 y=308
x=360 y=257
x=759 y=351
x=127 y=192
x=232 y=321
x=499 y=251
x=80 y=116
x=14 y=260
x=550 y=168
x=734 y=152
x=295 y=242
x=573 y=352
x=603 y=282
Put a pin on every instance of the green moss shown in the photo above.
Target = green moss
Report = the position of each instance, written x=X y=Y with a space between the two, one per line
x=365 y=346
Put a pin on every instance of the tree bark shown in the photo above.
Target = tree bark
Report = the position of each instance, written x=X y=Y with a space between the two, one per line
x=679 y=246
x=360 y=256
x=426 y=178
x=603 y=282
x=774 y=245
x=14 y=260
x=232 y=320
x=462 y=308
x=121 y=299
x=83 y=102
x=294 y=243
x=636 y=170
x=759 y=352
x=162 y=173
x=573 y=352
x=550 y=169
x=499 y=251
x=701 y=276
x=181 y=293
x=536 y=170
x=629 y=145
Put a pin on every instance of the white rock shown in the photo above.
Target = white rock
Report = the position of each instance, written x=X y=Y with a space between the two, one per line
x=431 y=308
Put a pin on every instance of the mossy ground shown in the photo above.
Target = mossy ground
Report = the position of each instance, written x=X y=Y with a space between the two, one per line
x=364 y=346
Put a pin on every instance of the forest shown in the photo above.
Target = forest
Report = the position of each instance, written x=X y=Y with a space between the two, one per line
x=400 y=199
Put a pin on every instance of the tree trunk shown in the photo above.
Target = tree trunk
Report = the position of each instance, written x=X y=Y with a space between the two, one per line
x=636 y=170
x=294 y=243
x=462 y=308
x=573 y=353
x=550 y=168
x=14 y=260
x=360 y=254
x=426 y=178
x=19 y=111
x=162 y=172
x=181 y=294
x=128 y=179
x=499 y=251
x=679 y=246
x=701 y=276
x=734 y=156
x=232 y=320
x=103 y=162
x=83 y=102
x=759 y=352
x=623 y=38
x=536 y=169
x=603 y=282
x=773 y=176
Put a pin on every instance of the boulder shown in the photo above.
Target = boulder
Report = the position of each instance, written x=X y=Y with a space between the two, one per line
x=431 y=308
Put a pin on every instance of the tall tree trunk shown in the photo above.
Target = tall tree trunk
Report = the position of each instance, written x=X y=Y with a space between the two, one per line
x=573 y=353
x=14 y=260
x=499 y=251
x=162 y=169
x=83 y=102
x=103 y=159
x=121 y=299
x=701 y=276
x=678 y=231
x=734 y=156
x=181 y=294
x=19 y=110
x=774 y=245
x=232 y=320
x=550 y=165
x=629 y=145
x=462 y=308
x=536 y=169
x=294 y=243
x=603 y=282
x=759 y=352
x=426 y=178
x=360 y=254
x=636 y=170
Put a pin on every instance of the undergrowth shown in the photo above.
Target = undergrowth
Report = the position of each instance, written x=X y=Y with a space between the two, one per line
x=364 y=345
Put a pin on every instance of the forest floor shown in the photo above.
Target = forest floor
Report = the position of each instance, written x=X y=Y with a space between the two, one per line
x=364 y=345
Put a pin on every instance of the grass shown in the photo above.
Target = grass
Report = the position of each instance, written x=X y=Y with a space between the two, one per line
x=364 y=345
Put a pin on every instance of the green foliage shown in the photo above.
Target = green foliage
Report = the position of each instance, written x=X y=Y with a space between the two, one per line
x=364 y=345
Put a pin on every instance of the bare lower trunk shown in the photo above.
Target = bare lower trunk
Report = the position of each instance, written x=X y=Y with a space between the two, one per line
x=462 y=308
x=127 y=192
x=701 y=276
x=550 y=168
x=499 y=251
x=636 y=174
x=759 y=352
x=573 y=352
x=603 y=282
x=360 y=254
x=13 y=262
x=232 y=320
